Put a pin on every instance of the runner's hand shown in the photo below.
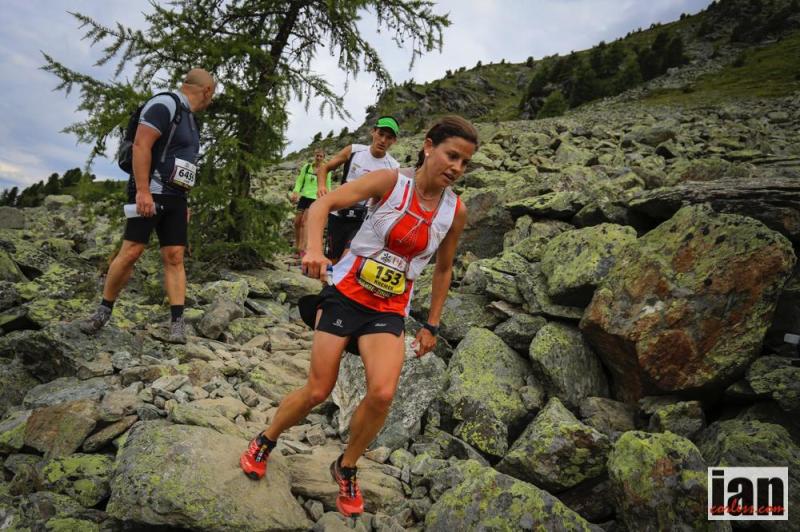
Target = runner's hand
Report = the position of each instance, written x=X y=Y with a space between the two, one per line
x=315 y=265
x=293 y=198
x=321 y=190
x=144 y=204
x=424 y=342
x=188 y=214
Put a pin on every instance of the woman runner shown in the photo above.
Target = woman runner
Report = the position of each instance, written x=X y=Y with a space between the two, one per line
x=413 y=215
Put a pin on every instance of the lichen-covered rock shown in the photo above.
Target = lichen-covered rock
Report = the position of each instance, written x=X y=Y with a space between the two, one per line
x=235 y=291
x=482 y=278
x=705 y=169
x=556 y=451
x=485 y=376
x=9 y=271
x=59 y=430
x=292 y=283
x=55 y=202
x=684 y=418
x=565 y=364
x=311 y=479
x=777 y=378
x=11 y=218
x=461 y=313
x=751 y=443
x=163 y=476
x=688 y=306
x=12 y=431
x=659 y=482
x=218 y=316
x=557 y=205
x=575 y=262
x=104 y=436
x=482 y=498
x=195 y=415
x=46 y=510
x=84 y=477
x=610 y=417
x=65 y=390
x=61 y=350
x=15 y=382
x=421 y=380
x=528 y=238
x=533 y=287
x=486 y=218
x=519 y=330
x=651 y=135
x=568 y=154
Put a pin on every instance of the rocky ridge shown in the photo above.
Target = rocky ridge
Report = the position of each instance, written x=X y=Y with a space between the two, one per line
x=614 y=328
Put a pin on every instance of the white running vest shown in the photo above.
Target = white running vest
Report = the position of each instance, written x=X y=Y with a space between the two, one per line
x=381 y=219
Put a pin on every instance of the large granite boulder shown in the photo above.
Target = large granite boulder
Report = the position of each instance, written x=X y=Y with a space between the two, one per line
x=575 y=262
x=478 y=497
x=556 y=451
x=565 y=364
x=687 y=307
x=421 y=380
x=311 y=479
x=483 y=390
x=659 y=482
x=189 y=477
x=59 y=430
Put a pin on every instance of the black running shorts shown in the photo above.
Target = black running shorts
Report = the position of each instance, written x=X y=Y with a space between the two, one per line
x=169 y=222
x=344 y=317
x=340 y=232
x=304 y=203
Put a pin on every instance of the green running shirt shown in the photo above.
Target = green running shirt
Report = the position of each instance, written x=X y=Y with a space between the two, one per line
x=306 y=182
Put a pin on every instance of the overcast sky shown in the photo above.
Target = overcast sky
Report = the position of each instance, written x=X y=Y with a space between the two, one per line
x=33 y=115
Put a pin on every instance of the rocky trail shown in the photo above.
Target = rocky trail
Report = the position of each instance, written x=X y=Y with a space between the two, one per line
x=615 y=327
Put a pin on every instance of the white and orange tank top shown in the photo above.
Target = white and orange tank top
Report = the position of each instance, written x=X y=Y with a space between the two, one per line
x=400 y=226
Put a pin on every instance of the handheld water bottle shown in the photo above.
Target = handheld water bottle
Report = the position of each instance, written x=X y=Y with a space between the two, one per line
x=130 y=210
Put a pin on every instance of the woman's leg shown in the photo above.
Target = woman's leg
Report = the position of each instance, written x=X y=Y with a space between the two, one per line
x=383 y=355
x=326 y=352
x=303 y=238
x=298 y=229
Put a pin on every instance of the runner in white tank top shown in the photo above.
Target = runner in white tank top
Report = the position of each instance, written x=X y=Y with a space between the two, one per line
x=449 y=145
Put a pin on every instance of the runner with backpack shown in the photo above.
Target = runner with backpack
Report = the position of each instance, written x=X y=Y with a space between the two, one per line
x=304 y=194
x=159 y=151
x=358 y=159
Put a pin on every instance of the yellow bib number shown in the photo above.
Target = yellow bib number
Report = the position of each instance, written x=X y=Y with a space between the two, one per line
x=381 y=278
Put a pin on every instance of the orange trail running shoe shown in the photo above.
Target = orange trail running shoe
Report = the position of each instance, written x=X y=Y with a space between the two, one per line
x=254 y=460
x=349 y=502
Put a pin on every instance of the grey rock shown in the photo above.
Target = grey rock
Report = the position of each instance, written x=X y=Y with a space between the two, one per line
x=565 y=364
x=220 y=498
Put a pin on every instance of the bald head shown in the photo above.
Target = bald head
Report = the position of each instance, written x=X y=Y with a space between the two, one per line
x=199 y=77
x=199 y=86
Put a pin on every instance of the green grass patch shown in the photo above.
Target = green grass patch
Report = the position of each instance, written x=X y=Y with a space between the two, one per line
x=772 y=71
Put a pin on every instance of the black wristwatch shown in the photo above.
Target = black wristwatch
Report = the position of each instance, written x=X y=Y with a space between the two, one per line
x=433 y=329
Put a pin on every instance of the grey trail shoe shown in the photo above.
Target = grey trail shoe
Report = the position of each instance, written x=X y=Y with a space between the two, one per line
x=96 y=321
x=177 y=332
